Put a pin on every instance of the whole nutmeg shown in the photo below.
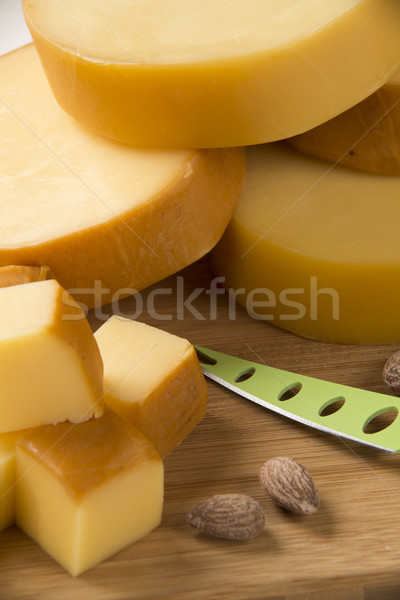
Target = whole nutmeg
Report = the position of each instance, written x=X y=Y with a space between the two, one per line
x=228 y=516
x=290 y=485
x=391 y=372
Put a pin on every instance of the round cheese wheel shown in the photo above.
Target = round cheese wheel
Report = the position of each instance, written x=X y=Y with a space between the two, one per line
x=215 y=73
x=107 y=219
x=315 y=249
x=365 y=137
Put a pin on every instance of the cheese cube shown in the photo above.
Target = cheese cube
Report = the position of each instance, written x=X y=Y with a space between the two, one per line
x=153 y=379
x=50 y=365
x=7 y=477
x=87 y=490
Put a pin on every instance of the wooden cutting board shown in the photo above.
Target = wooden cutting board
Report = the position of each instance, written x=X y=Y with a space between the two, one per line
x=349 y=550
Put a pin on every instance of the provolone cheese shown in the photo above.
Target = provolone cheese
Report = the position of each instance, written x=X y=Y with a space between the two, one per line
x=107 y=219
x=153 y=379
x=315 y=249
x=215 y=73
x=365 y=137
x=86 y=491
x=50 y=365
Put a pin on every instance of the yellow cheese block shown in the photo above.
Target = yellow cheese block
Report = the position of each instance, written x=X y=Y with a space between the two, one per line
x=214 y=73
x=7 y=477
x=314 y=249
x=19 y=274
x=50 y=366
x=153 y=379
x=86 y=491
x=365 y=137
x=107 y=219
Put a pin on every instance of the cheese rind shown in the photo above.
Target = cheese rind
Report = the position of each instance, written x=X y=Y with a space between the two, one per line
x=315 y=249
x=107 y=219
x=365 y=137
x=19 y=274
x=212 y=74
x=86 y=491
x=8 y=477
x=153 y=379
x=50 y=366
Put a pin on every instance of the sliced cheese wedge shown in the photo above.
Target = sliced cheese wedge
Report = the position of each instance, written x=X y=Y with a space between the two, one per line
x=18 y=274
x=365 y=137
x=315 y=249
x=107 y=219
x=86 y=491
x=153 y=379
x=50 y=365
x=214 y=73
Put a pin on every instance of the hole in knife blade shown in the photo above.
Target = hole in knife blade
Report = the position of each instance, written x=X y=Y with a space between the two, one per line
x=244 y=375
x=204 y=358
x=380 y=420
x=332 y=406
x=289 y=391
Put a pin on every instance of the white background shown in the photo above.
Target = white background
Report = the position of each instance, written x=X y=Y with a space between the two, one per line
x=13 y=31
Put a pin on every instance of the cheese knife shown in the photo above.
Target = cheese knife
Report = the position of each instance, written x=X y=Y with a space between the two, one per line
x=333 y=408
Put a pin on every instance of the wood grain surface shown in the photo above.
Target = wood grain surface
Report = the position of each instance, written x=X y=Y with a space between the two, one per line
x=349 y=550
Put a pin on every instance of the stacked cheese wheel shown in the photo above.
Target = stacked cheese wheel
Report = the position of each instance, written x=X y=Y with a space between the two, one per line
x=218 y=75
x=215 y=73
x=105 y=218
